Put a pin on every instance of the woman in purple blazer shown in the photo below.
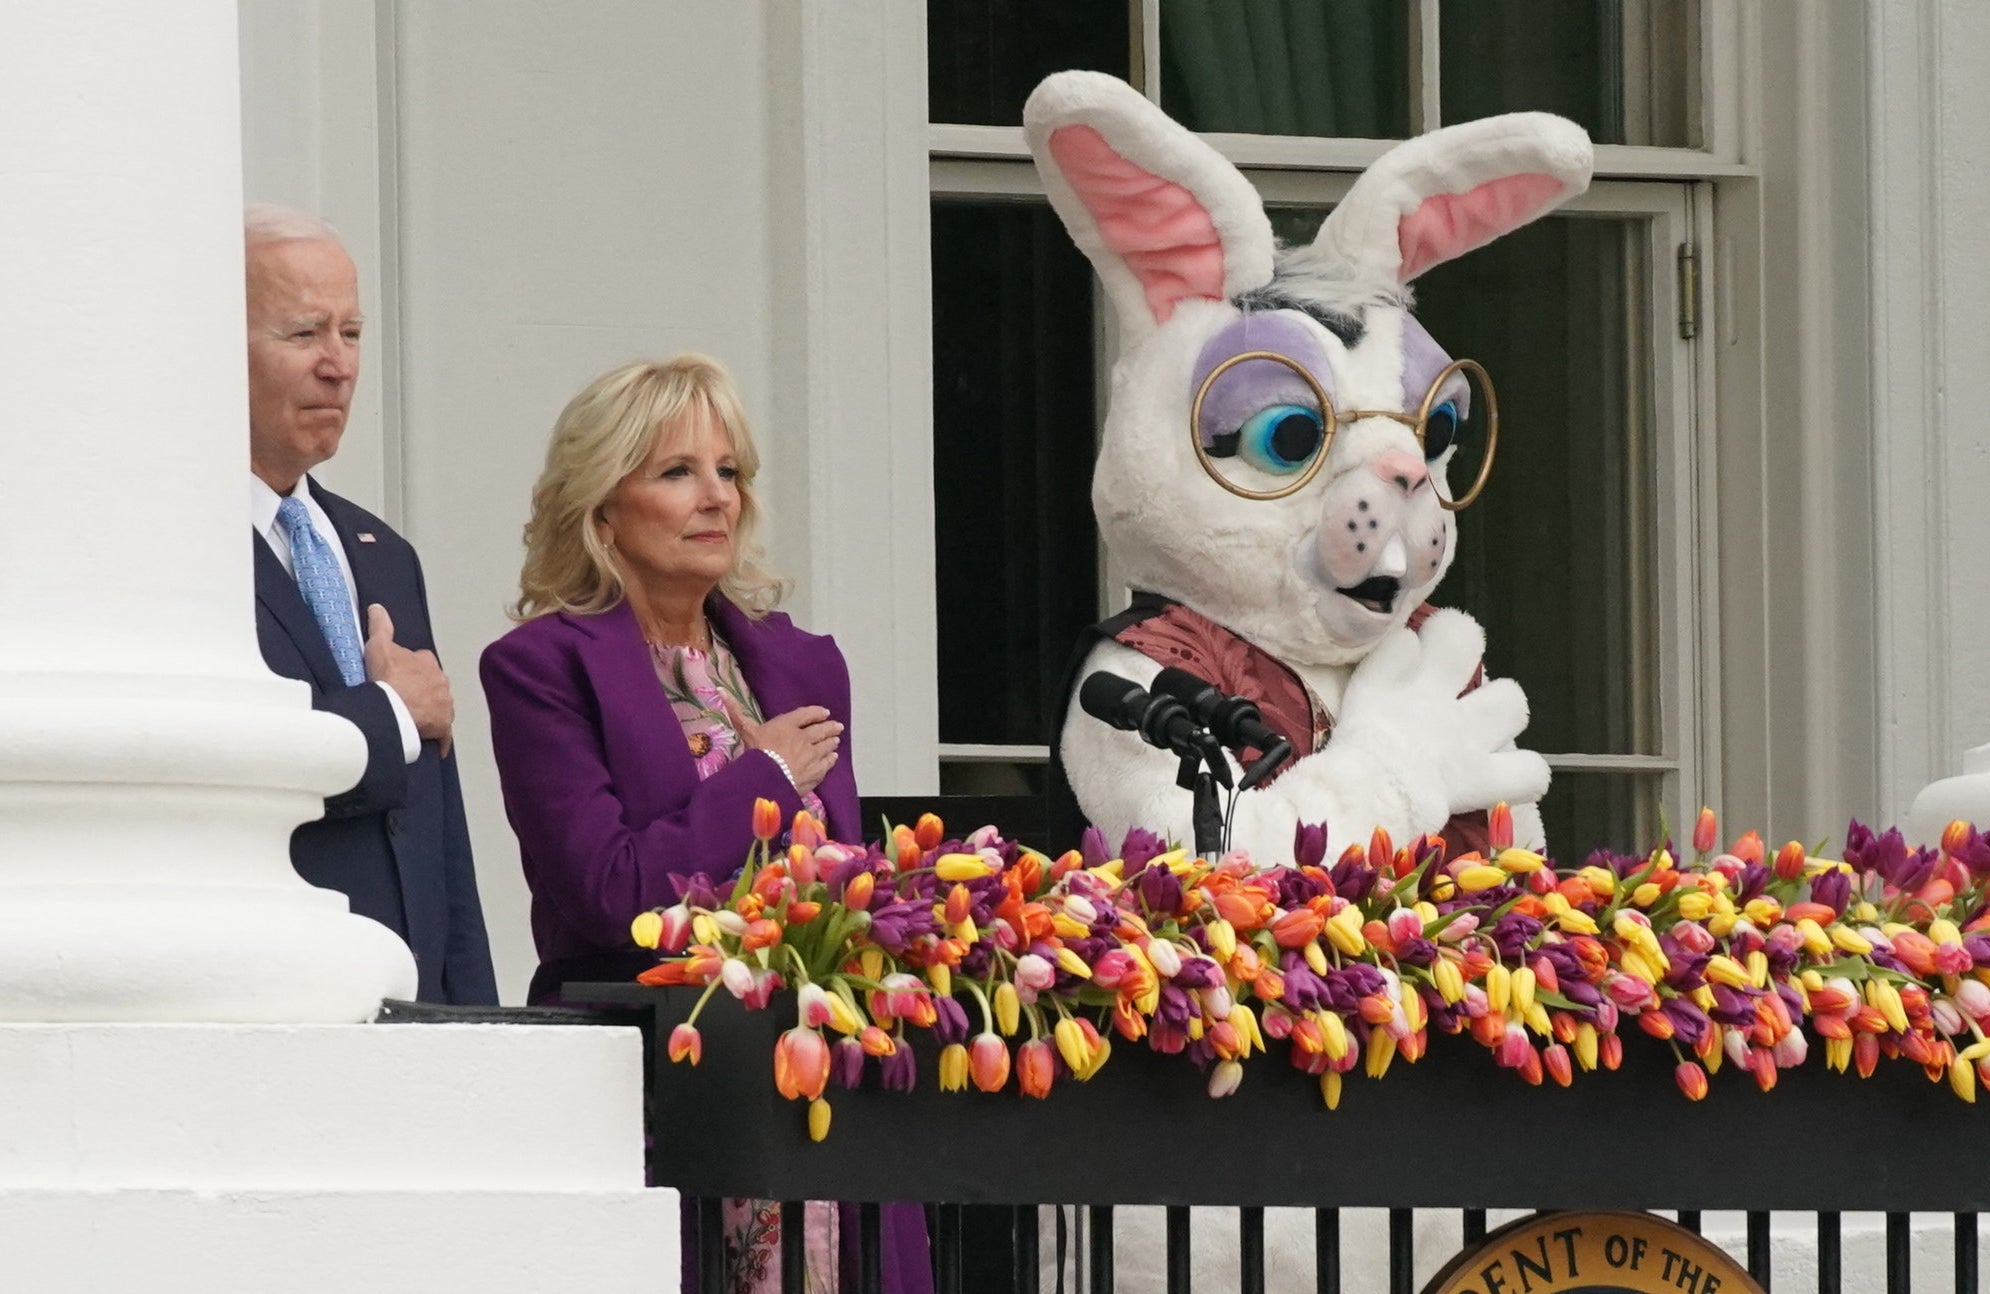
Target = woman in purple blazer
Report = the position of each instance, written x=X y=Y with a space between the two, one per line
x=649 y=695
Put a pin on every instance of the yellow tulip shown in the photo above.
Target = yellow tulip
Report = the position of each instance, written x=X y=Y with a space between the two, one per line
x=941 y=977
x=1722 y=969
x=1815 y=942
x=1758 y=968
x=1850 y=941
x=1072 y=962
x=1479 y=876
x=1520 y=861
x=1448 y=980
x=646 y=930
x=1523 y=989
x=1585 y=1045
x=1499 y=988
x=1071 y=1044
x=1577 y=922
x=1646 y=895
x=818 y=1119
x=1008 y=1008
x=953 y=1068
x=961 y=867
x=1381 y=1050
x=1330 y=1089
x=704 y=930
x=1695 y=905
x=1222 y=938
x=1962 y=1078
x=1333 y=1034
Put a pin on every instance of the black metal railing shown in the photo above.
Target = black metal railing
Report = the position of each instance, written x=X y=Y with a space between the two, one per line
x=1451 y=1134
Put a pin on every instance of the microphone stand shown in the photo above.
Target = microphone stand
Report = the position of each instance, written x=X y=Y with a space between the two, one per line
x=1206 y=815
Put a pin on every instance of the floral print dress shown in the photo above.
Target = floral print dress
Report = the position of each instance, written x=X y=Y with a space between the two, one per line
x=698 y=684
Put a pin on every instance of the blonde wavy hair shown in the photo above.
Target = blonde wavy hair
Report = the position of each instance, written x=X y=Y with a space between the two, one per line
x=606 y=432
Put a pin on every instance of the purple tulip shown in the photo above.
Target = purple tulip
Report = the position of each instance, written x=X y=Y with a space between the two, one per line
x=898 y=1072
x=1139 y=846
x=1732 y=1006
x=1309 y=844
x=951 y=1026
x=1092 y=847
x=1160 y=890
x=1689 y=1022
x=846 y=1063
x=1833 y=889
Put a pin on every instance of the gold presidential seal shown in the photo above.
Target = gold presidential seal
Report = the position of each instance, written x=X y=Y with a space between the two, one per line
x=1593 y=1253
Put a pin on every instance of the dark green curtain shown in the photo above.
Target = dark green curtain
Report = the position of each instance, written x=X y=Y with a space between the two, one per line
x=1287 y=67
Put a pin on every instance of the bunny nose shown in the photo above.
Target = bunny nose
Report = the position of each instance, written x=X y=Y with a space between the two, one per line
x=1403 y=470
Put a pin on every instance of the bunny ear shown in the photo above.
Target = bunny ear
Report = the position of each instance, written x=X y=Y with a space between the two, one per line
x=1440 y=195
x=1161 y=215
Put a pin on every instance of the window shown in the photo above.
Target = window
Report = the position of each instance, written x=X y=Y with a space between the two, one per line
x=1580 y=561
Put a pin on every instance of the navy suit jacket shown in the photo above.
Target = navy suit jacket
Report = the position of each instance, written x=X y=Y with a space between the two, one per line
x=397 y=844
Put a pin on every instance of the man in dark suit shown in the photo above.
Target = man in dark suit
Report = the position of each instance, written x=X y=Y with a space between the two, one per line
x=396 y=845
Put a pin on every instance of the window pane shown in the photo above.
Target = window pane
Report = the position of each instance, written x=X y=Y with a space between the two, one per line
x=1556 y=559
x=1013 y=437
x=983 y=57
x=1590 y=811
x=1628 y=71
x=1288 y=67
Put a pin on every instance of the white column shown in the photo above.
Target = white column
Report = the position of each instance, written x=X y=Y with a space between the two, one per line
x=151 y=769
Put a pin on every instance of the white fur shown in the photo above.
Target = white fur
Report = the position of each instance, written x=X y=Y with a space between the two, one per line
x=1408 y=751
x=1144 y=135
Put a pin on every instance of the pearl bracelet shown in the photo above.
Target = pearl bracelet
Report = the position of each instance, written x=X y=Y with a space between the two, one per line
x=781 y=764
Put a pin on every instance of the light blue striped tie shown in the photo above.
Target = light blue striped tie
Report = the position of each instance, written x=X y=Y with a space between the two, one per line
x=323 y=586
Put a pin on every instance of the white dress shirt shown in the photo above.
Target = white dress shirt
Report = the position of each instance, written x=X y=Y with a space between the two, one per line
x=263 y=503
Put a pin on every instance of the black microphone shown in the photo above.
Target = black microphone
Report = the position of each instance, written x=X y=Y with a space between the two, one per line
x=1232 y=720
x=1160 y=720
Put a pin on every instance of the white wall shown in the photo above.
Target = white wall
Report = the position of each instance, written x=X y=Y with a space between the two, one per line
x=536 y=192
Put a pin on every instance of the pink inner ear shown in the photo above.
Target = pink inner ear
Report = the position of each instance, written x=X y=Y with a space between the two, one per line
x=1451 y=224
x=1156 y=226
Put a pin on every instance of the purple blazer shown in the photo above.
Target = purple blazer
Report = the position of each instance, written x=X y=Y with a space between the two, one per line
x=600 y=785
x=605 y=799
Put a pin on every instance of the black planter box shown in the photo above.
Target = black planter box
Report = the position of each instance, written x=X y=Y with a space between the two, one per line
x=1451 y=1131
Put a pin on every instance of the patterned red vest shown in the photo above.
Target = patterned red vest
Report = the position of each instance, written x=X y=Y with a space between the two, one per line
x=1172 y=634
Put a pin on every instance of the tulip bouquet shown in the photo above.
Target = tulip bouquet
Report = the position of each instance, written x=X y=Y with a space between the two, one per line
x=1026 y=970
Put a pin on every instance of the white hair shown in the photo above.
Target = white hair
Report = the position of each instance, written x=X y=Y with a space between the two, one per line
x=270 y=222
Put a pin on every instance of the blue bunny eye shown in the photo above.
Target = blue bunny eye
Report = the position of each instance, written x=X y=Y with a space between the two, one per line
x=1440 y=430
x=1281 y=439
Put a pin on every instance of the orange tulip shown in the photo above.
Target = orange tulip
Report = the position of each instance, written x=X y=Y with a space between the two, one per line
x=1036 y=1067
x=1298 y=928
x=988 y=1062
x=666 y=975
x=763 y=933
x=1706 y=833
x=1789 y=861
x=801 y=912
x=960 y=904
x=857 y=890
x=929 y=832
x=801 y=1064
x=1749 y=849
x=1499 y=822
x=1692 y=1080
x=766 y=819
x=685 y=1044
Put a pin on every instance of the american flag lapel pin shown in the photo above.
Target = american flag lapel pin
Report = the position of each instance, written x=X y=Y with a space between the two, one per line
x=365 y=537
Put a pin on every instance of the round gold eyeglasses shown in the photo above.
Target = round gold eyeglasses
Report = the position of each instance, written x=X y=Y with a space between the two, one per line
x=1330 y=420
